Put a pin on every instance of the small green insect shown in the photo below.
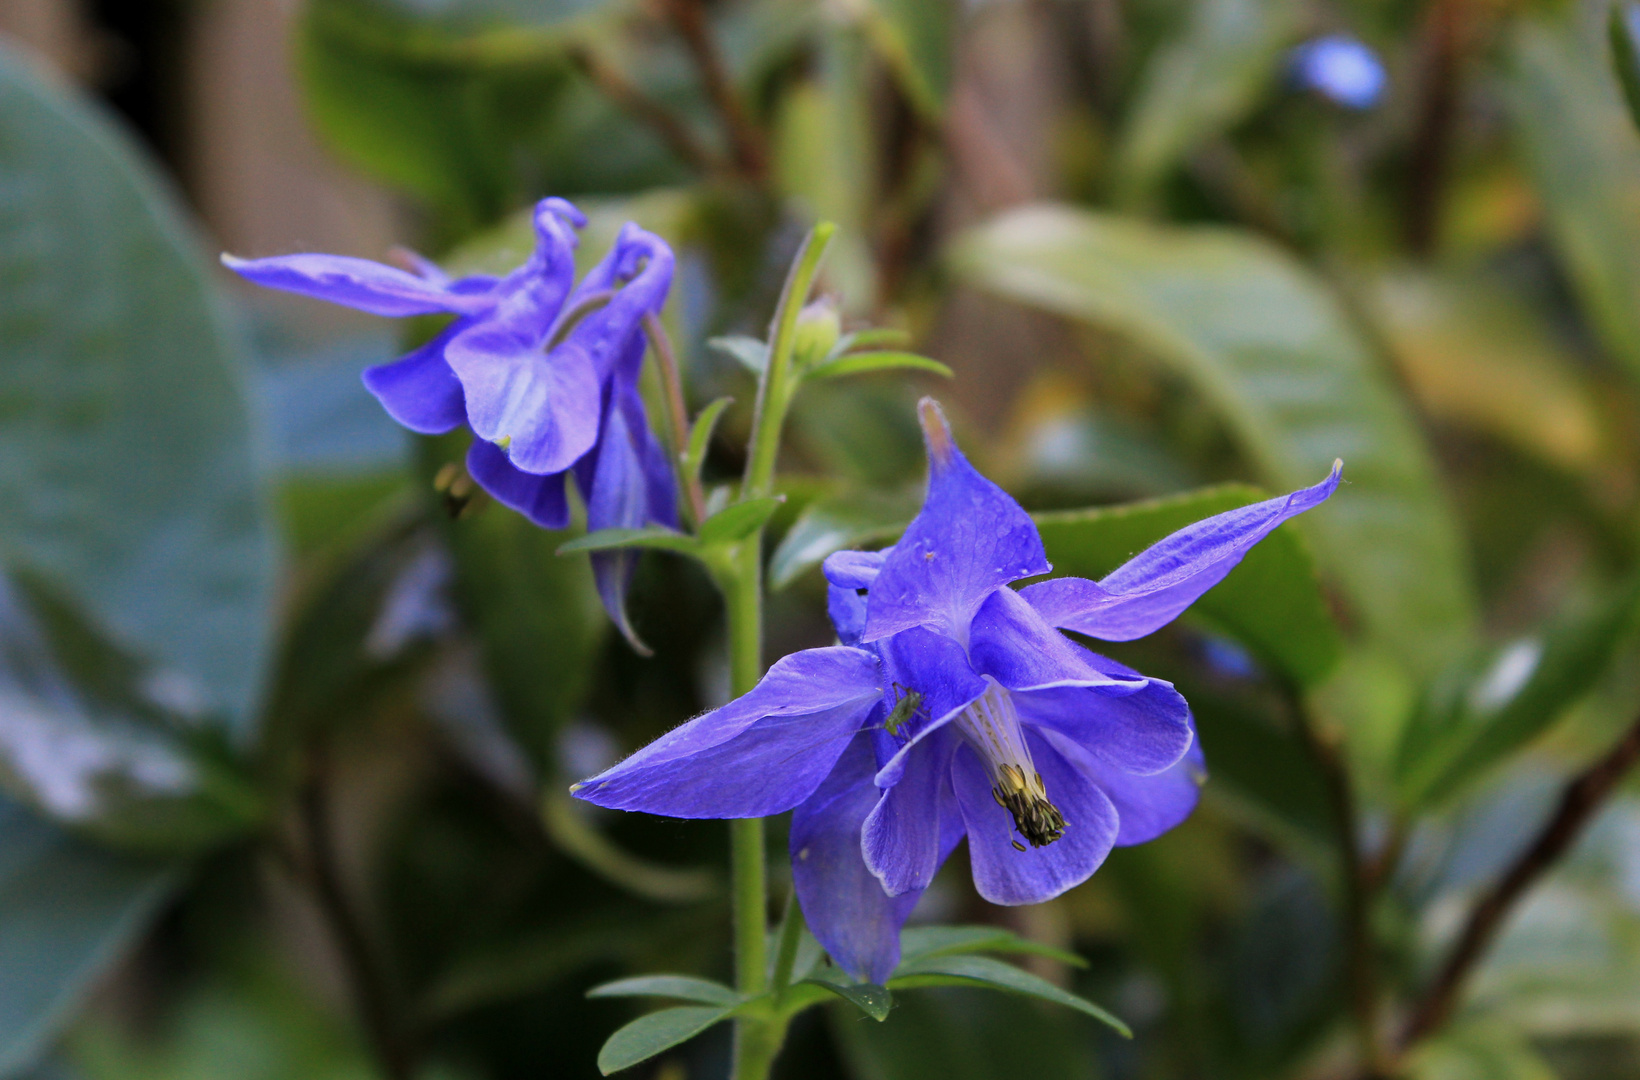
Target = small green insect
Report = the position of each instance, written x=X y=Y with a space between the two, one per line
x=907 y=703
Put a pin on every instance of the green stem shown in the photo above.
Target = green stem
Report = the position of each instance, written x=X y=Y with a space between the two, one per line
x=758 y=1035
x=774 y=390
x=785 y=956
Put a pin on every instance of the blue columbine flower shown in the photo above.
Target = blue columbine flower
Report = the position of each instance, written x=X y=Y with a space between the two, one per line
x=955 y=707
x=539 y=412
x=1341 y=69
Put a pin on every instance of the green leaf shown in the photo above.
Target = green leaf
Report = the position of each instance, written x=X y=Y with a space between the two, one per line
x=68 y=912
x=955 y=970
x=916 y=39
x=925 y=942
x=682 y=987
x=857 y=363
x=1271 y=602
x=881 y=337
x=648 y=1035
x=739 y=520
x=615 y=539
x=835 y=522
x=1623 y=30
x=127 y=463
x=1583 y=154
x=1202 y=84
x=748 y=352
x=116 y=766
x=537 y=617
x=700 y=437
x=873 y=1000
x=1480 y=713
x=1268 y=345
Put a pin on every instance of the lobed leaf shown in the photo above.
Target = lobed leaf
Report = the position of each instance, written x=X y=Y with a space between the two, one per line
x=613 y=539
x=700 y=437
x=749 y=352
x=835 y=522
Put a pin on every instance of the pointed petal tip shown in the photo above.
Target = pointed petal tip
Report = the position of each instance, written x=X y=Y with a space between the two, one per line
x=936 y=431
x=1338 y=467
x=232 y=262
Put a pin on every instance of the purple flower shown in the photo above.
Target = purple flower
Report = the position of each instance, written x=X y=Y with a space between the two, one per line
x=545 y=398
x=1340 y=69
x=954 y=707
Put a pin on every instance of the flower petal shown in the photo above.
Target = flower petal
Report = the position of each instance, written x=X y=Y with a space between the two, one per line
x=359 y=283
x=1147 y=806
x=847 y=609
x=1151 y=589
x=970 y=539
x=419 y=390
x=1138 y=724
x=543 y=409
x=644 y=262
x=540 y=498
x=900 y=840
x=845 y=906
x=1002 y=873
x=853 y=569
x=926 y=663
x=761 y=754
x=627 y=482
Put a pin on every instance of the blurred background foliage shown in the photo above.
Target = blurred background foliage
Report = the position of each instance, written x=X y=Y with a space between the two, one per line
x=285 y=732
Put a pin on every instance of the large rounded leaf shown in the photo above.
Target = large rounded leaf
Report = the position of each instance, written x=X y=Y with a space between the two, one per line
x=1265 y=341
x=127 y=469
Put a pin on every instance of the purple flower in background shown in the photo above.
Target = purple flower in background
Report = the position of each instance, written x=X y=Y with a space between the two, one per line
x=954 y=707
x=1340 y=69
x=545 y=398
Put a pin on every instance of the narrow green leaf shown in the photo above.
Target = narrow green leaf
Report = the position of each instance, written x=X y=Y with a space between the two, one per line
x=926 y=942
x=1623 y=28
x=955 y=970
x=1201 y=84
x=682 y=987
x=648 y=1035
x=748 y=352
x=739 y=520
x=613 y=539
x=857 y=363
x=1266 y=342
x=915 y=38
x=700 y=437
x=128 y=468
x=835 y=522
x=879 y=337
x=68 y=912
x=1480 y=713
x=1583 y=154
x=873 y=1000
x=1271 y=602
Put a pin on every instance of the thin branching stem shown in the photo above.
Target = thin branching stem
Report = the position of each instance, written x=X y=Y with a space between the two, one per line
x=745 y=140
x=1579 y=802
x=677 y=414
x=662 y=121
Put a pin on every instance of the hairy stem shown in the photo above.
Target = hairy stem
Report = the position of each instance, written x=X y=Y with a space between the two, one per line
x=1582 y=797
